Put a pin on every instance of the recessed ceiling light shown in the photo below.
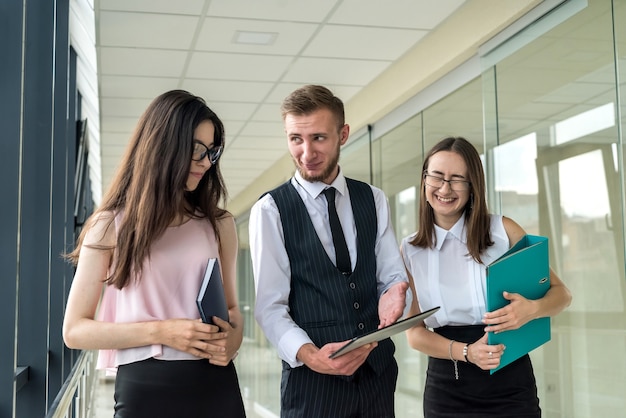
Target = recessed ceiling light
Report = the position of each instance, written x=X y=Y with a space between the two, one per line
x=255 y=38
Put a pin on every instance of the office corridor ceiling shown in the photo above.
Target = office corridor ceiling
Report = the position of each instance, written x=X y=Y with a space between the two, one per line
x=244 y=57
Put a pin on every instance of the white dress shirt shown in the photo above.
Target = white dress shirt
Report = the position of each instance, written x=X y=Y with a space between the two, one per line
x=270 y=263
x=449 y=277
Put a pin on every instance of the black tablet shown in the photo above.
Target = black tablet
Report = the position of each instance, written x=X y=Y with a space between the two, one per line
x=382 y=333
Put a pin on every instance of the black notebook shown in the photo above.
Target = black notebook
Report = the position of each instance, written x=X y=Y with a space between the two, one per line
x=211 y=300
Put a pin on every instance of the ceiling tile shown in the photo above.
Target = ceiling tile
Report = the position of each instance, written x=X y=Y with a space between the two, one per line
x=146 y=47
x=242 y=175
x=228 y=91
x=192 y=7
x=141 y=62
x=115 y=150
x=238 y=164
x=362 y=42
x=135 y=86
x=147 y=30
x=119 y=124
x=225 y=66
x=264 y=129
x=414 y=14
x=334 y=71
x=257 y=153
x=297 y=11
x=269 y=112
x=284 y=89
x=218 y=35
x=231 y=111
x=231 y=127
x=256 y=143
x=123 y=107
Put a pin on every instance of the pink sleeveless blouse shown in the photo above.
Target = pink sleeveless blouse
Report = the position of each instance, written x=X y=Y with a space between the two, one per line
x=167 y=289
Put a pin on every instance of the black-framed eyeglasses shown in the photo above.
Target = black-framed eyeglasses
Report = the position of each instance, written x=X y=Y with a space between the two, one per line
x=200 y=151
x=437 y=182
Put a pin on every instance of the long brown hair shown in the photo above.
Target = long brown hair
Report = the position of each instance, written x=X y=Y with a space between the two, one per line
x=149 y=187
x=477 y=220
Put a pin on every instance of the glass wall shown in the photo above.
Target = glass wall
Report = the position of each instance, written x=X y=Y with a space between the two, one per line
x=355 y=157
x=555 y=168
x=258 y=366
x=546 y=114
x=397 y=158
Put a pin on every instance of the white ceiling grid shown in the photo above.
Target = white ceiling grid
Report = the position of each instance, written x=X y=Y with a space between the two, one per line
x=146 y=47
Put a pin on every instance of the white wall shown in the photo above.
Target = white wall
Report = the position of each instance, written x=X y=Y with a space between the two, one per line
x=83 y=40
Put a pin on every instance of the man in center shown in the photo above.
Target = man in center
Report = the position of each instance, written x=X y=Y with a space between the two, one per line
x=314 y=292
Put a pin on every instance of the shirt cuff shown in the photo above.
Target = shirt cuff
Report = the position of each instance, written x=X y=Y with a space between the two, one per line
x=289 y=345
x=409 y=301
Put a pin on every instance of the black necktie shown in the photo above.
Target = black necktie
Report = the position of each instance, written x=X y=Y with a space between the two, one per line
x=341 y=249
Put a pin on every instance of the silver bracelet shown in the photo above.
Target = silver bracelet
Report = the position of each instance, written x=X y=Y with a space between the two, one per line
x=456 y=367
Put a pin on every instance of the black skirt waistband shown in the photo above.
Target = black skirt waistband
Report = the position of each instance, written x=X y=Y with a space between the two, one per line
x=462 y=333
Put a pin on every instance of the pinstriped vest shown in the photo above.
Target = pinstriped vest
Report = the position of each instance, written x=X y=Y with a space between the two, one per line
x=329 y=306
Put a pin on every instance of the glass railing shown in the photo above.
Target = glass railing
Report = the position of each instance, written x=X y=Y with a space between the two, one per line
x=75 y=397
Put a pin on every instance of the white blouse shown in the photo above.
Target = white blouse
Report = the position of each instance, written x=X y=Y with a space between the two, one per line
x=447 y=276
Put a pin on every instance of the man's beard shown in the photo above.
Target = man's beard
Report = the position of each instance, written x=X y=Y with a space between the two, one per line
x=328 y=171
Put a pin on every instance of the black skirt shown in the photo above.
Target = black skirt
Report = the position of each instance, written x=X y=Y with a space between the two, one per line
x=185 y=388
x=509 y=392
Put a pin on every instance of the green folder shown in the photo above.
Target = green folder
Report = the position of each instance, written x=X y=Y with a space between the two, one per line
x=524 y=269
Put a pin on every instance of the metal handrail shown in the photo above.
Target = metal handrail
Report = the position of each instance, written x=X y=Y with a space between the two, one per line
x=76 y=390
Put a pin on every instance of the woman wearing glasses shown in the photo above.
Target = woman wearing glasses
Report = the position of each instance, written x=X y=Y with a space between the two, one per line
x=446 y=259
x=145 y=251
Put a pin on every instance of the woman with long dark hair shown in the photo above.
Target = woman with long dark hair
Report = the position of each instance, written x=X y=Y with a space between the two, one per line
x=140 y=260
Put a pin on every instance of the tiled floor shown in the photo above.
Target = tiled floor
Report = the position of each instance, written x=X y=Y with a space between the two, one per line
x=102 y=405
x=259 y=376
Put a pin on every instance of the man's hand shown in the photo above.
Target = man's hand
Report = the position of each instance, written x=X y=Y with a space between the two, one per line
x=317 y=359
x=392 y=303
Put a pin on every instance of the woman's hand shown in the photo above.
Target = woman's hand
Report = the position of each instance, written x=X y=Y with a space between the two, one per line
x=483 y=355
x=193 y=337
x=517 y=313
x=224 y=349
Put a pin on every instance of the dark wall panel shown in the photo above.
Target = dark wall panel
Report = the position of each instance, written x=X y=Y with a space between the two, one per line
x=10 y=109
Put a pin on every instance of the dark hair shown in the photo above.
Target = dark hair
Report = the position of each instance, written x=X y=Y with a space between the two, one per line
x=149 y=187
x=477 y=220
x=308 y=99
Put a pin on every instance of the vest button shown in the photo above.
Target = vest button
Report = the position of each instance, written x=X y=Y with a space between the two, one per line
x=352 y=285
x=356 y=305
x=361 y=325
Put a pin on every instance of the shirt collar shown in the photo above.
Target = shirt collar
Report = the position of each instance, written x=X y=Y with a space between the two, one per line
x=314 y=189
x=457 y=231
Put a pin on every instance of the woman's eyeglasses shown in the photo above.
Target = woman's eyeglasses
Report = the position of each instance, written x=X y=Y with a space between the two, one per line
x=200 y=151
x=438 y=182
